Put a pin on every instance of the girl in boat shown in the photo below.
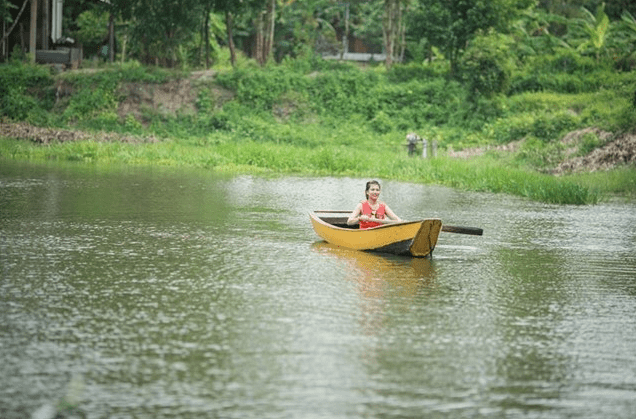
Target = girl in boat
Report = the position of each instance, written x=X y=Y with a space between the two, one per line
x=371 y=212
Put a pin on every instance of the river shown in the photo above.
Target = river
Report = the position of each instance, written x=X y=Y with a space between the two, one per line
x=174 y=293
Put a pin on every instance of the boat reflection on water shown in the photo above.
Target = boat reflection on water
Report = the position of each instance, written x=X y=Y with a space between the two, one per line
x=382 y=267
x=384 y=282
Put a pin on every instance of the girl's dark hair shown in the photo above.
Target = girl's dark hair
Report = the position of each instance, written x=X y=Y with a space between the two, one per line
x=369 y=183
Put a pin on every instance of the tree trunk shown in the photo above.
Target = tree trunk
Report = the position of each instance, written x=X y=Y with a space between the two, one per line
x=111 y=37
x=33 y=32
x=123 y=47
x=230 y=38
x=15 y=22
x=206 y=31
x=45 y=24
x=268 y=44
x=388 y=31
x=259 y=39
x=345 y=37
x=402 y=30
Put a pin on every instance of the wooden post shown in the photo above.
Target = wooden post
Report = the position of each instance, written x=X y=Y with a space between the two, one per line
x=33 y=32
x=424 y=148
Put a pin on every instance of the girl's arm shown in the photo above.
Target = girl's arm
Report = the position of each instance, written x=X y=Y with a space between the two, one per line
x=390 y=214
x=354 y=218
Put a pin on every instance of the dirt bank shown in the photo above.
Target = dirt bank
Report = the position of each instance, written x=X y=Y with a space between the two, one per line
x=22 y=130
x=621 y=151
x=179 y=97
x=617 y=152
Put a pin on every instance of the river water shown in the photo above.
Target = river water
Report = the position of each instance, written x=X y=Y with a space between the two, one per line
x=165 y=293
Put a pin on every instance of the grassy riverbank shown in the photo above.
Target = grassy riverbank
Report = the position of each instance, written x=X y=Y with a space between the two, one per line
x=317 y=118
x=267 y=158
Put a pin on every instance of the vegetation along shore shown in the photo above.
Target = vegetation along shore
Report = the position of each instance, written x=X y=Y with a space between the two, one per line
x=556 y=124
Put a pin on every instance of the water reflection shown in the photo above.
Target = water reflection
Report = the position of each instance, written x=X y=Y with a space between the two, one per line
x=186 y=294
x=381 y=281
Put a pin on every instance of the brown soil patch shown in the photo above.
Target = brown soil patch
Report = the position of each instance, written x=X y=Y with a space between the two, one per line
x=618 y=152
x=176 y=96
x=170 y=98
x=39 y=135
x=621 y=151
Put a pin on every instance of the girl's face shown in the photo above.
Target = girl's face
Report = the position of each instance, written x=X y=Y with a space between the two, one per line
x=374 y=192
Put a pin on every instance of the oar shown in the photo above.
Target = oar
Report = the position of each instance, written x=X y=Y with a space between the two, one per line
x=474 y=231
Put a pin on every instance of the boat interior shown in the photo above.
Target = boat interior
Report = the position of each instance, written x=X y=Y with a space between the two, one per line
x=336 y=218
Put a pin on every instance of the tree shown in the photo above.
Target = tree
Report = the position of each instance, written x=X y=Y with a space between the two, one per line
x=159 y=27
x=450 y=24
x=265 y=23
x=5 y=16
x=231 y=8
x=594 y=30
x=310 y=26
x=5 y=11
x=487 y=64
x=393 y=29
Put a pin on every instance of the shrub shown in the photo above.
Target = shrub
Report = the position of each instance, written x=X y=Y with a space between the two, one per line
x=414 y=71
x=564 y=61
x=24 y=90
x=88 y=103
x=262 y=88
x=514 y=128
x=344 y=93
x=539 y=154
x=486 y=66
x=548 y=127
x=382 y=123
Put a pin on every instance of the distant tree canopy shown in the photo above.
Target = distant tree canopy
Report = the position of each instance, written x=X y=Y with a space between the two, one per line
x=192 y=32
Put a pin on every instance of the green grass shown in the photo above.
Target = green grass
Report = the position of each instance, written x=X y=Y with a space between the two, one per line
x=620 y=181
x=224 y=156
x=320 y=118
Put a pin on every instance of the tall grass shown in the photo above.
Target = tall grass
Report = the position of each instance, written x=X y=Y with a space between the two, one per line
x=620 y=181
x=255 y=157
x=326 y=118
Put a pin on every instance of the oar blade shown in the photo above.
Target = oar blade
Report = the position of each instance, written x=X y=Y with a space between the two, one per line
x=473 y=231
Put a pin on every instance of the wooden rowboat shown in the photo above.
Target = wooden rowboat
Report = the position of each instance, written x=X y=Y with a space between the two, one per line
x=414 y=238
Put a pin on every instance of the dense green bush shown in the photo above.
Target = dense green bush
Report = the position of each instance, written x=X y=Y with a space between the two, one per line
x=344 y=93
x=487 y=64
x=565 y=72
x=263 y=89
x=539 y=154
x=505 y=130
x=25 y=76
x=26 y=91
x=416 y=72
x=564 y=61
x=552 y=126
x=425 y=102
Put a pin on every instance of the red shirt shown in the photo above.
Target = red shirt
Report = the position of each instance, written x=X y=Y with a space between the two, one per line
x=366 y=210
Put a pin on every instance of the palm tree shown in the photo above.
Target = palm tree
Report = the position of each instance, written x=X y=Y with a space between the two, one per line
x=595 y=29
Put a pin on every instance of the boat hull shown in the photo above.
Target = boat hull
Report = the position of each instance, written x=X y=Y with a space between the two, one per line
x=413 y=238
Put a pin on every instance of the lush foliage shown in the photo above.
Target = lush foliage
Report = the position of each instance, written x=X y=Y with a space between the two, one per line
x=231 y=156
x=478 y=74
x=25 y=91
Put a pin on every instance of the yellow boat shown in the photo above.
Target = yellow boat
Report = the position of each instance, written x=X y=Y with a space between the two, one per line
x=414 y=238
